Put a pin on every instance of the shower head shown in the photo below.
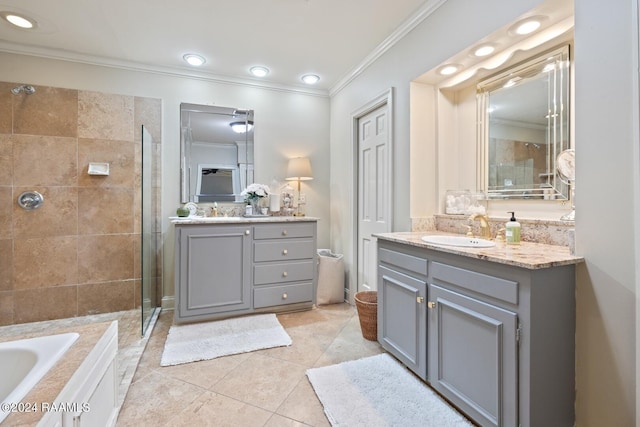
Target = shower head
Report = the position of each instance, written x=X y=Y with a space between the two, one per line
x=28 y=89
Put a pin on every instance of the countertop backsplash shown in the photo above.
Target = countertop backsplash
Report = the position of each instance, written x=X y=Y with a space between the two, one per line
x=551 y=232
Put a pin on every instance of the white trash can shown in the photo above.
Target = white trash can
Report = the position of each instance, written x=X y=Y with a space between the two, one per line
x=330 y=277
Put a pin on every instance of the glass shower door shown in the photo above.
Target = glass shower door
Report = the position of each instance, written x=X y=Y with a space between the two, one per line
x=149 y=232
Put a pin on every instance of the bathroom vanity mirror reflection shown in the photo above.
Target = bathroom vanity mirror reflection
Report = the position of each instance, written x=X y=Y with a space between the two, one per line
x=523 y=117
x=216 y=153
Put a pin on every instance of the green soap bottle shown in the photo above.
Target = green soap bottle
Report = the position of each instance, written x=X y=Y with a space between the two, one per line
x=512 y=231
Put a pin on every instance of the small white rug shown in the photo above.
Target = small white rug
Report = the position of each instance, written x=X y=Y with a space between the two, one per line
x=379 y=391
x=204 y=341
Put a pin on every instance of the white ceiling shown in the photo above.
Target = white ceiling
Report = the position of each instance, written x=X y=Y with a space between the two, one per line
x=329 y=38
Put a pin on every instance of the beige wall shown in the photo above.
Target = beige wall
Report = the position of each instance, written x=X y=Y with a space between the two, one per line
x=607 y=188
x=79 y=253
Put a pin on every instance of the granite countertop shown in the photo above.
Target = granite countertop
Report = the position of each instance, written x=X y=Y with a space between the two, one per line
x=50 y=386
x=526 y=255
x=237 y=219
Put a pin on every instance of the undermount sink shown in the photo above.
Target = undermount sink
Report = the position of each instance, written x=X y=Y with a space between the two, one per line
x=461 y=241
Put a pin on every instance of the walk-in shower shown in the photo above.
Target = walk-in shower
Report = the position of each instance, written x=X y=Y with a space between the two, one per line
x=28 y=89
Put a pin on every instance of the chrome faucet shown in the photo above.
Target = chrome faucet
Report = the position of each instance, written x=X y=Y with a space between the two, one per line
x=485 y=231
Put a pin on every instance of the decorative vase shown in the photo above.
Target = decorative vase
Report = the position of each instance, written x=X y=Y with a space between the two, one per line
x=255 y=205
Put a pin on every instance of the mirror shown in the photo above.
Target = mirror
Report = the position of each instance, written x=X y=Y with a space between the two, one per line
x=523 y=124
x=216 y=153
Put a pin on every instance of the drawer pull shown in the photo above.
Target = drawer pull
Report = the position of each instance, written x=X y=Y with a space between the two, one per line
x=285 y=274
x=284 y=252
x=419 y=300
x=284 y=232
x=247 y=232
x=285 y=296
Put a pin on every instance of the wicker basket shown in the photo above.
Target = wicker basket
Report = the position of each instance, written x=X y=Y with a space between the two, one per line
x=367 y=305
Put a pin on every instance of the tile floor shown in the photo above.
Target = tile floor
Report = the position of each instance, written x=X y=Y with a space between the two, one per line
x=263 y=388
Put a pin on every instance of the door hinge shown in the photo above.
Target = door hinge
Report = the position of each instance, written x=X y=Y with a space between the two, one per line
x=518 y=333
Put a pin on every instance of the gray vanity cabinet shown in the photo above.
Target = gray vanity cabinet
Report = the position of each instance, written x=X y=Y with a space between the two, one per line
x=402 y=288
x=214 y=270
x=497 y=339
x=225 y=270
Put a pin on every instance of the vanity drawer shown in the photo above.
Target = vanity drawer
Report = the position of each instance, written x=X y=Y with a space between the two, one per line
x=283 y=250
x=281 y=295
x=407 y=262
x=496 y=287
x=282 y=272
x=284 y=230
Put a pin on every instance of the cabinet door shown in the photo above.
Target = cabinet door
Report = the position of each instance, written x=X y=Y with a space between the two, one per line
x=215 y=271
x=473 y=356
x=402 y=328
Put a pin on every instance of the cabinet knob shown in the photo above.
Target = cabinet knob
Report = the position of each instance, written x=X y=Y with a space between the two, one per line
x=431 y=304
x=284 y=252
x=247 y=232
x=285 y=296
x=284 y=232
x=285 y=274
x=419 y=300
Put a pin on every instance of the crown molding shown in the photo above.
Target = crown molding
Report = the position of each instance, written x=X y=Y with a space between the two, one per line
x=60 y=55
x=413 y=21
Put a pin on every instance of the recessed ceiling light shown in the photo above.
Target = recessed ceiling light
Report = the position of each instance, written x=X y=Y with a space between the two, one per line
x=484 y=50
x=18 y=20
x=449 y=69
x=194 y=59
x=526 y=26
x=259 y=71
x=310 y=79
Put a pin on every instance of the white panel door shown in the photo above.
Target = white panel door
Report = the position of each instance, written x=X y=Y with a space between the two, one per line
x=373 y=194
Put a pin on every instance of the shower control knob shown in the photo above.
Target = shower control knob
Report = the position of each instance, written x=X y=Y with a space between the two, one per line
x=30 y=200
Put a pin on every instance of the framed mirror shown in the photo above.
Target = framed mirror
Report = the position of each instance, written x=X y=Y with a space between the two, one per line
x=216 y=153
x=523 y=124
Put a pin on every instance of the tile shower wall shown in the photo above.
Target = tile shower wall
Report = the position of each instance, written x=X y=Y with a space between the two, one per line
x=79 y=253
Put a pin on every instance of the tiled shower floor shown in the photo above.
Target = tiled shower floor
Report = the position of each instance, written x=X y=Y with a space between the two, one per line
x=262 y=388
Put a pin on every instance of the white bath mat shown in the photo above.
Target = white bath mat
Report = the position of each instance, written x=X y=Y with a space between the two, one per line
x=204 y=341
x=379 y=391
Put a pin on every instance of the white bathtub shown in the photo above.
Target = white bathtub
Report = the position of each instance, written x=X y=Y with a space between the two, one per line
x=25 y=362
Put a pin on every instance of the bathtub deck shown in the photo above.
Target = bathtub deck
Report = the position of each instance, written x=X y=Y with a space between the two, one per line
x=91 y=328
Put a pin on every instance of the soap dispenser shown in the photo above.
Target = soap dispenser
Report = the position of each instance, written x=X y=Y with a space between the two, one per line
x=512 y=231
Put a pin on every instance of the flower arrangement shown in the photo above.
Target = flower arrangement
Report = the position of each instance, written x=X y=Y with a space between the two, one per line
x=255 y=192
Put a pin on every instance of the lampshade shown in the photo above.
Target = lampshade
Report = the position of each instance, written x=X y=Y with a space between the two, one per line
x=299 y=168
